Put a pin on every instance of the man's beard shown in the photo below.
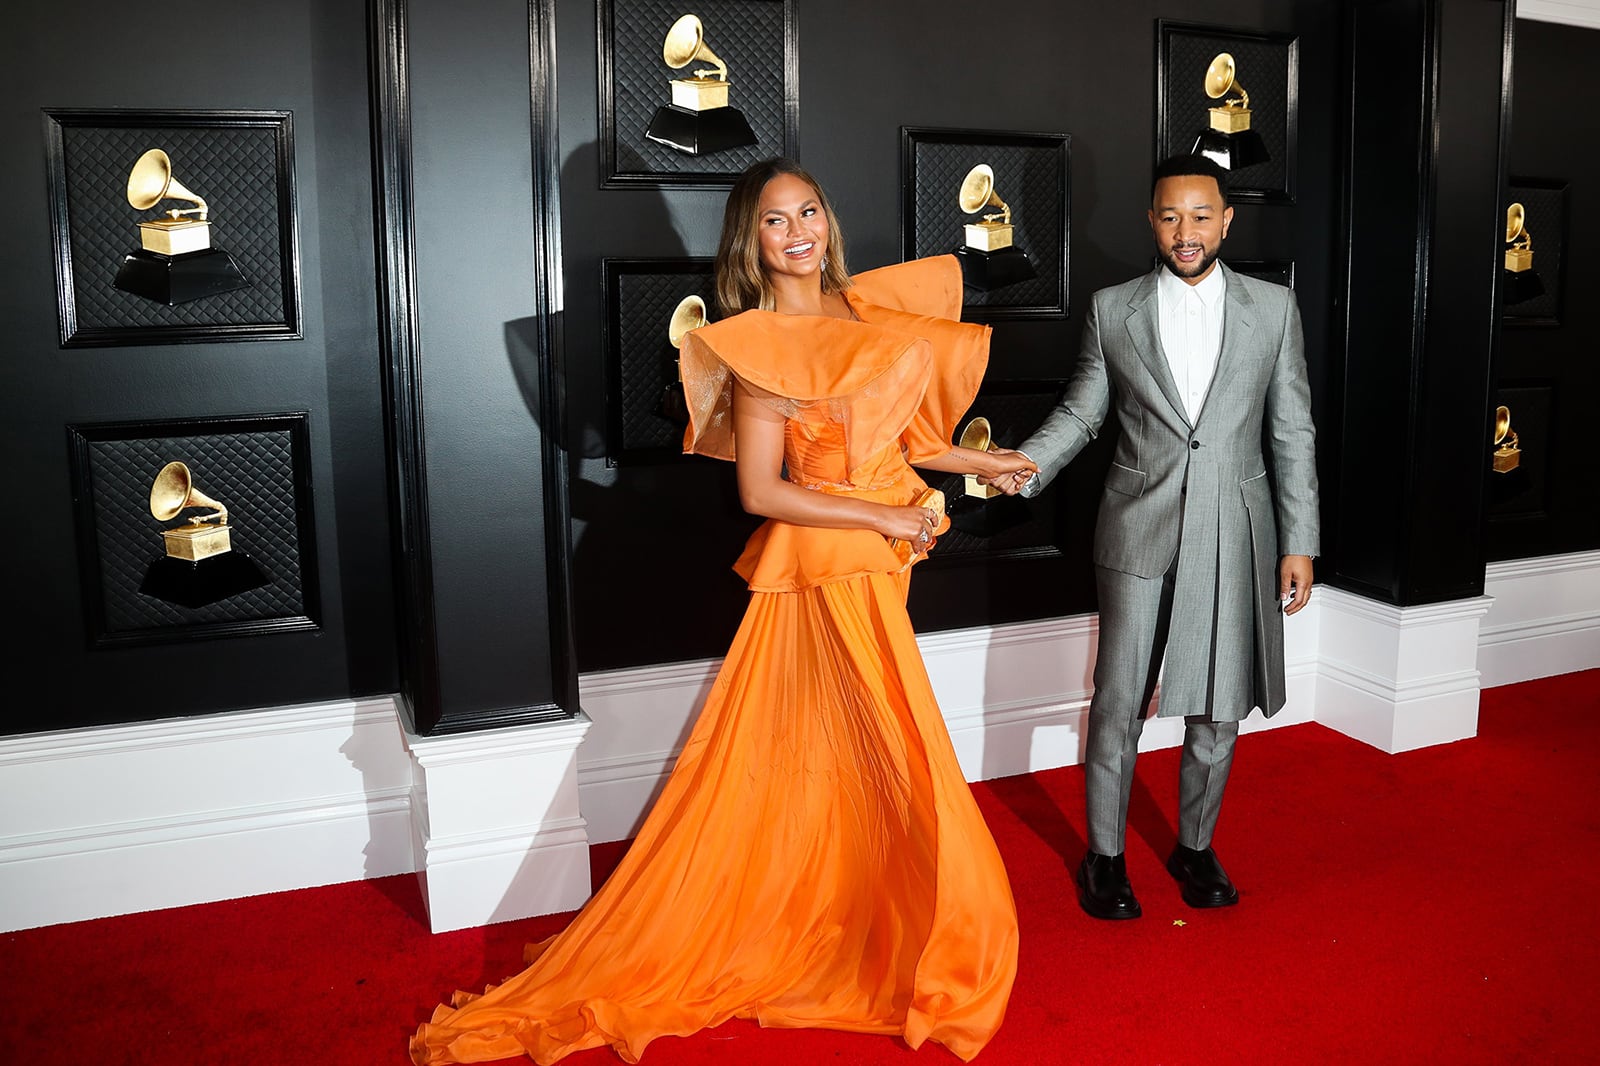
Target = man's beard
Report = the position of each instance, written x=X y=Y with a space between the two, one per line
x=1199 y=267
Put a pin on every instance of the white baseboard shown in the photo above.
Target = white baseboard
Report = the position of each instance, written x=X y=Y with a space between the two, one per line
x=96 y=822
x=1545 y=619
x=496 y=823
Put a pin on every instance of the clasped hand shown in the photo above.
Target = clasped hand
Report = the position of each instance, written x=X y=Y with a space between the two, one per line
x=1014 y=471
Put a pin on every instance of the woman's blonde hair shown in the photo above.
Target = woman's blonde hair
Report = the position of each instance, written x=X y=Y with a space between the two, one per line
x=742 y=281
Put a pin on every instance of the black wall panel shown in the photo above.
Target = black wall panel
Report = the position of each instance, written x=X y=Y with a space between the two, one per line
x=308 y=58
x=1552 y=139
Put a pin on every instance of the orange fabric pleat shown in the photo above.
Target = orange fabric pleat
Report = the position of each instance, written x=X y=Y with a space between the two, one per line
x=815 y=860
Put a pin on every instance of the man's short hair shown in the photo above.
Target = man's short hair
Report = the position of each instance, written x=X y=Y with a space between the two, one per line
x=1183 y=166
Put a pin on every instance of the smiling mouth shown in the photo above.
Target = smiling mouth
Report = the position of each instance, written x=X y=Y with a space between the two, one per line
x=801 y=250
x=1188 y=253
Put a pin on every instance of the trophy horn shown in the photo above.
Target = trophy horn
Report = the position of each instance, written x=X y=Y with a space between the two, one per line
x=173 y=490
x=151 y=181
x=689 y=314
x=686 y=42
x=978 y=435
x=1502 y=426
x=1517 y=226
x=977 y=191
x=1222 y=77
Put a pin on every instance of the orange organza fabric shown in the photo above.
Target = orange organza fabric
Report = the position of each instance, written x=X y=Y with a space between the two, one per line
x=863 y=400
x=816 y=858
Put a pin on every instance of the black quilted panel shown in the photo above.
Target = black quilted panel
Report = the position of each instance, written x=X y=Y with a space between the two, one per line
x=747 y=35
x=640 y=299
x=1029 y=178
x=250 y=473
x=1018 y=525
x=234 y=169
x=1264 y=69
x=1546 y=221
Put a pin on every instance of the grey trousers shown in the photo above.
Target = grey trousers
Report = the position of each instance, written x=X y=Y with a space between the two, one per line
x=1135 y=613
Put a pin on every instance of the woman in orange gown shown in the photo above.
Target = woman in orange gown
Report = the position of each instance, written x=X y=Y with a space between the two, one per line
x=816 y=858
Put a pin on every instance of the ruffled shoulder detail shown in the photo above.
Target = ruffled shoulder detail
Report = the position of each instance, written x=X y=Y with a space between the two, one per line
x=928 y=287
x=867 y=377
x=923 y=297
x=908 y=369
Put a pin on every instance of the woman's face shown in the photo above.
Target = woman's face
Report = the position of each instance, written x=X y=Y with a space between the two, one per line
x=792 y=228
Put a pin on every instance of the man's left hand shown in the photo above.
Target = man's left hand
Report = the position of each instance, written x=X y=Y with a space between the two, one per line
x=1294 y=582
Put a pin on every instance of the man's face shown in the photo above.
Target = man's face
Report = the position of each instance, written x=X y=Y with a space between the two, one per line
x=1189 y=223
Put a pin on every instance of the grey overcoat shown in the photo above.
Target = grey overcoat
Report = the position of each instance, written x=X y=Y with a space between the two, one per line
x=1227 y=495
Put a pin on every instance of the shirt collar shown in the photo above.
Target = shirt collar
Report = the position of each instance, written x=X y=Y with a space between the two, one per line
x=1210 y=290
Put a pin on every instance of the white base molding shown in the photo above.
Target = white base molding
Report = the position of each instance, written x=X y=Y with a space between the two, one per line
x=97 y=822
x=1399 y=678
x=1545 y=619
x=115 y=820
x=495 y=820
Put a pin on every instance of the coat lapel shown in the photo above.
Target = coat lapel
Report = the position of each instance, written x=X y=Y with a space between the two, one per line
x=1144 y=329
x=1238 y=332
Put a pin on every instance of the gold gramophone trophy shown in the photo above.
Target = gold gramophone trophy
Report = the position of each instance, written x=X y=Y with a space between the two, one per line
x=201 y=537
x=989 y=258
x=1522 y=282
x=1228 y=139
x=979 y=436
x=699 y=120
x=200 y=565
x=175 y=262
x=690 y=314
x=1507 y=448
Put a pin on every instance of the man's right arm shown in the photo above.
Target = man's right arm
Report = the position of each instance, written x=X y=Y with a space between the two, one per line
x=1077 y=417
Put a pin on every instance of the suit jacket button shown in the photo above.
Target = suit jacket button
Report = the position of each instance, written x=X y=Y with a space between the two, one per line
x=1194 y=444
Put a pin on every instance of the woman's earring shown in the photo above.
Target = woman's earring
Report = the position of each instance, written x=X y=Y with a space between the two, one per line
x=824 y=262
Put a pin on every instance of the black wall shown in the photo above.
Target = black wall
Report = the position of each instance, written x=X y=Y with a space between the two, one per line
x=654 y=542
x=297 y=55
x=1547 y=372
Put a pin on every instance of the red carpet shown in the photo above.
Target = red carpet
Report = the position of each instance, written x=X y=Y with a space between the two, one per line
x=1441 y=906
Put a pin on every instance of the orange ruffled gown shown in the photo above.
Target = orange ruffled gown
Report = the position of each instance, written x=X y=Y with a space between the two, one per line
x=816 y=858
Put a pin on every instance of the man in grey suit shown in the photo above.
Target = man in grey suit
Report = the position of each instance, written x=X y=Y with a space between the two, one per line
x=1207 y=527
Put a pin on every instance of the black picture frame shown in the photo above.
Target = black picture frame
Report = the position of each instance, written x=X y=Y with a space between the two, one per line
x=639 y=296
x=240 y=162
x=1277 y=271
x=1037 y=166
x=1545 y=202
x=1002 y=528
x=1268 y=68
x=256 y=465
x=758 y=41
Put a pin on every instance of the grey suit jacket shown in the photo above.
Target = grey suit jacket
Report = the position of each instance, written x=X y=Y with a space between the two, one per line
x=1226 y=495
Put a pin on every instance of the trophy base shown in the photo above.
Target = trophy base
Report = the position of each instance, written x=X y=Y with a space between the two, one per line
x=1507 y=460
x=197 y=541
x=1230 y=119
x=202 y=583
x=994 y=270
x=1519 y=259
x=1520 y=285
x=176 y=279
x=700 y=132
x=988 y=236
x=1231 y=151
x=988 y=517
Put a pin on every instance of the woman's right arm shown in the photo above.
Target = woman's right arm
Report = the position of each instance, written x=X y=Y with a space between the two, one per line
x=758 y=431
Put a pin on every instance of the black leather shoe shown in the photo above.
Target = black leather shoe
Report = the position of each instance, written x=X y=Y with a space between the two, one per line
x=1103 y=888
x=1201 y=877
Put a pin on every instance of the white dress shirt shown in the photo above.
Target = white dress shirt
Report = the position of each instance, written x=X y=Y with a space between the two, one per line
x=1191 y=332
